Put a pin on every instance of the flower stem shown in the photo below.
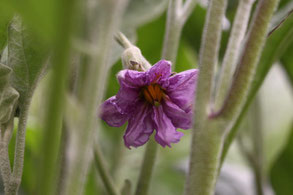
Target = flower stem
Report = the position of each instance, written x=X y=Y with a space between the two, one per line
x=233 y=50
x=174 y=25
x=15 y=178
x=176 y=18
x=207 y=139
x=104 y=173
x=249 y=59
x=173 y=31
x=147 y=168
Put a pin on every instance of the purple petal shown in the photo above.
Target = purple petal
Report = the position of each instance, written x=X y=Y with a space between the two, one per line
x=112 y=113
x=127 y=97
x=181 y=89
x=132 y=78
x=166 y=132
x=179 y=117
x=139 y=127
x=160 y=72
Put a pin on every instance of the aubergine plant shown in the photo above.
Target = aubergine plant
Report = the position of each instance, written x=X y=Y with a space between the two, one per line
x=71 y=48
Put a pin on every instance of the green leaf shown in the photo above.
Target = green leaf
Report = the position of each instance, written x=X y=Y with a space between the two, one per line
x=281 y=174
x=4 y=21
x=275 y=47
x=8 y=95
x=26 y=58
x=287 y=62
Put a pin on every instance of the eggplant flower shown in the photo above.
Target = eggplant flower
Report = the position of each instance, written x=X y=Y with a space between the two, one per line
x=152 y=100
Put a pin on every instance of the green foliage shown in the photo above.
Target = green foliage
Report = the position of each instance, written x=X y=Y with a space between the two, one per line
x=25 y=57
x=275 y=47
x=4 y=22
x=287 y=62
x=8 y=95
x=40 y=16
x=281 y=174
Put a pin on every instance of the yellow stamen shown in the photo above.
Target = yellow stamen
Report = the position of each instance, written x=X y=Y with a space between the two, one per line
x=153 y=94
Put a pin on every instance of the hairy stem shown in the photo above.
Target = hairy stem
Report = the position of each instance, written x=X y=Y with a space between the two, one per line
x=276 y=45
x=206 y=141
x=233 y=50
x=15 y=178
x=249 y=59
x=206 y=149
x=5 y=169
x=104 y=173
x=173 y=31
x=176 y=18
x=147 y=168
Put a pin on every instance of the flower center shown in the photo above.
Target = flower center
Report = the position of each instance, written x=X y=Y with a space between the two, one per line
x=153 y=94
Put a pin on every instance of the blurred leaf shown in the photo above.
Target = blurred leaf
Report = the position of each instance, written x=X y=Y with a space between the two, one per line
x=8 y=95
x=275 y=47
x=40 y=16
x=287 y=62
x=140 y=12
x=281 y=174
x=26 y=58
x=4 y=21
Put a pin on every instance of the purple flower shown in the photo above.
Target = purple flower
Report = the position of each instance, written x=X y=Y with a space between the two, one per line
x=152 y=100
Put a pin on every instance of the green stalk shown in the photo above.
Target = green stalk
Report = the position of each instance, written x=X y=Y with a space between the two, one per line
x=276 y=45
x=56 y=99
x=104 y=173
x=5 y=169
x=244 y=74
x=15 y=178
x=207 y=140
x=173 y=31
x=147 y=167
x=93 y=90
x=233 y=50
x=176 y=17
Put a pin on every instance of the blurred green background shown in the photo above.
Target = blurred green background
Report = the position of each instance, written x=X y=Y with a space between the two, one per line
x=275 y=100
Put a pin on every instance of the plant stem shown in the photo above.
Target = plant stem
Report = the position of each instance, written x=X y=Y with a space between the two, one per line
x=257 y=142
x=233 y=50
x=5 y=169
x=276 y=46
x=56 y=98
x=16 y=175
x=93 y=87
x=249 y=59
x=174 y=25
x=207 y=139
x=173 y=31
x=176 y=18
x=147 y=168
x=105 y=175
x=187 y=9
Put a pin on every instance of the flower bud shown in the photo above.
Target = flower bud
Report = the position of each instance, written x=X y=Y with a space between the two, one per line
x=131 y=57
